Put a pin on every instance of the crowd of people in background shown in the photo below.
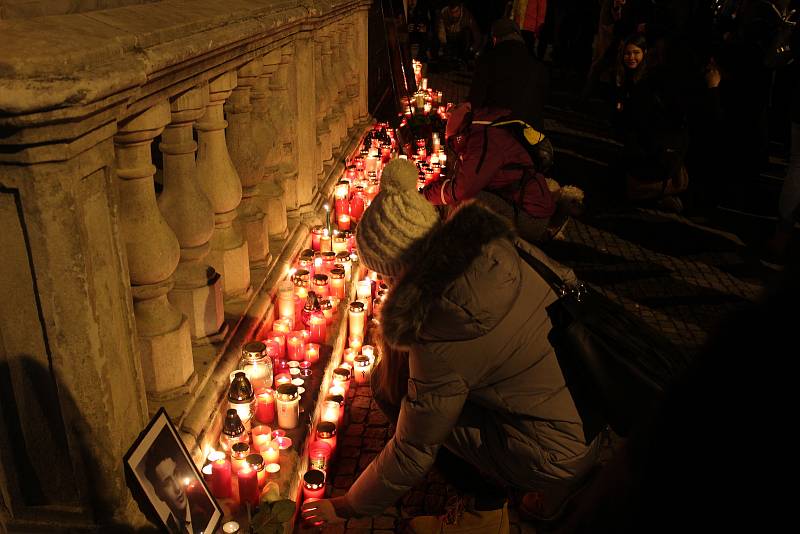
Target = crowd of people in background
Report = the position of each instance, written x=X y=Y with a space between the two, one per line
x=695 y=89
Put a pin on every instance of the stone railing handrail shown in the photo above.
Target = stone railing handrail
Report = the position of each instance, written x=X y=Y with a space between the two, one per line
x=48 y=63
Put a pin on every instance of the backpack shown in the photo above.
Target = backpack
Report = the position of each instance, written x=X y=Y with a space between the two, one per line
x=538 y=146
x=780 y=52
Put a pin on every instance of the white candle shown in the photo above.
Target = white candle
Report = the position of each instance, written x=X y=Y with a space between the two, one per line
x=288 y=404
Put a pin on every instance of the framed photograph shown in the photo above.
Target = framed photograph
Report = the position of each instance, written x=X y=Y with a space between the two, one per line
x=169 y=480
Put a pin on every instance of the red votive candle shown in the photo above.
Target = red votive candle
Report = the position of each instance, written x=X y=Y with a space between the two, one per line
x=318 y=327
x=220 y=475
x=248 y=485
x=295 y=345
x=265 y=406
x=314 y=484
x=319 y=454
x=316 y=233
x=326 y=433
x=312 y=353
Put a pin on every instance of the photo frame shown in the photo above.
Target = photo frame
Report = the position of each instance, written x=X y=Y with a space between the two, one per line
x=167 y=484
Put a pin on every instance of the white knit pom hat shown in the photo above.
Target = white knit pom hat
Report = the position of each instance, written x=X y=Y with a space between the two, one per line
x=397 y=218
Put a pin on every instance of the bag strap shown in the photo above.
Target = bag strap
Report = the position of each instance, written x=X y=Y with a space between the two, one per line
x=548 y=275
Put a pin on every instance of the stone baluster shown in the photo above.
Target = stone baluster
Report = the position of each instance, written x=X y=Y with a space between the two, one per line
x=308 y=144
x=361 y=36
x=341 y=68
x=153 y=252
x=350 y=58
x=220 y=182
x=335 y=115
x=247 y=142
x=281 y=87
x=269 y=110
x=198 y=290
x=324 y=129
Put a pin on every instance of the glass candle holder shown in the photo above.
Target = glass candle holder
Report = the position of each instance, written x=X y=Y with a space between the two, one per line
x=325 y=242
x=312 y=353
x=328 y=261
x=316 y=233
x=319 y=455
x=262 y=438
x=330 y=411
x=358 y=203
x=340 y=243
x=341 y=376
x=326 y=433
x=326 y=306
x=285 y=299
x=346 y=262
x=317 y=325
x=271 y=454
x=265 y=406
x=301 y=279
x=349 y=355
x=336 y=282
x=314 y=484
x=305 y=367
x=233 y=431
x=295 y=345
x=284 y=442
x=355 y=343
x=357 y=320
x=241 y=397
x=239 y=453
x=339 y=400
x=320 y=285
x=256 y=364
x=288 y=404
x=282 y=378
x=284 y=324
x=343 y=222
x=361 y=369
x=221 y=475
x=256 y=463
x=248 y=486
x=272 y=470
x=369 y=352
x=208 y=473
x=279 y=339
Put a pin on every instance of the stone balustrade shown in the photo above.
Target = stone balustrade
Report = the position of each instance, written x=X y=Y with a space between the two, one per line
x=160 y=164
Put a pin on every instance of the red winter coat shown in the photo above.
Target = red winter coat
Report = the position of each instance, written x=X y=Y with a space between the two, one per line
x=498 y=171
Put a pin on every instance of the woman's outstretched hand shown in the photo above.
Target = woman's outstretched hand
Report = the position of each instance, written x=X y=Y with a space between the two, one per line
x=320 y=512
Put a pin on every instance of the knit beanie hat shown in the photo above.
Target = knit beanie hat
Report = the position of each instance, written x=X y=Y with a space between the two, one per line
x=397 y=218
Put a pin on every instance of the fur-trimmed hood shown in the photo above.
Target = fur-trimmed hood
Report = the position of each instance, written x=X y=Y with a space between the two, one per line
x=464 y=278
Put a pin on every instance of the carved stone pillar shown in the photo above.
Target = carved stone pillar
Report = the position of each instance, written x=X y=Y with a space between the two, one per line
x=361 y=33
x=247 y=141
x=308 y=148
x=198 y=290
x=282 y=85
x=342 y=70
x=220 y=182
x=331 y=82
x=323 y=106
x=350 y=53
x=269 y=110
x=153 y=253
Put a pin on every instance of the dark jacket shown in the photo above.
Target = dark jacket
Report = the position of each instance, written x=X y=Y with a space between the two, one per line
x=473 y=317
x=510 y=78
x=490 y=161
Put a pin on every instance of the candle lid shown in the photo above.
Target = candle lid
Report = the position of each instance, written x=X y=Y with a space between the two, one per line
x=341 y=372
x=343 y=256
x=241 y=390
x=240 y=450
x=233 y=424
x=357 y=306
x=256 y=461
x=326 y=429
x=300 y=275
x=328 y=256
x=314 y=477
x=338 y=272
x=254 y=350
x=339 y=399
x=306 y=254
x=321 y=279
x=363 y=360
x=288 y=390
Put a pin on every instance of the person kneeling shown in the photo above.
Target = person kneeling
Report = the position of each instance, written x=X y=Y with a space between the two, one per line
x=484 y=386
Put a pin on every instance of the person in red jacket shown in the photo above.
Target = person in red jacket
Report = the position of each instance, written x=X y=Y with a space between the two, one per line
x=496 y=169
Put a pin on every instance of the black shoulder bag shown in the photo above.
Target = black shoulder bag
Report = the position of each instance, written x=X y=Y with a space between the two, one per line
x=615 y=365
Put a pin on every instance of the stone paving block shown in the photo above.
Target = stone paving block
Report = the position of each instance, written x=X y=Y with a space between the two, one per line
x=346 y=466
x=343 y=482
x=365 y=459
x=357 y=415
x=349 y=452
x=375 y=432
x=361 y=402
x=373 y=444
x=377 y=419
x=334 y=529
x=351 y=441
x=354 y=430
x=384 y=521
x=363 y=522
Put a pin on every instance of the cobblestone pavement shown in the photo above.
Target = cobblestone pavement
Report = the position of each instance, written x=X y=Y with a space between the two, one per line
x=678 y=276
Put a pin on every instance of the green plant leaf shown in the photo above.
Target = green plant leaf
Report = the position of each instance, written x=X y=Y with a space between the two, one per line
x=283 y=511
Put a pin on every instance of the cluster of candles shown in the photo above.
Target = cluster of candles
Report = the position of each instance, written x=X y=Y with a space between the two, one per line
x=264 y=394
